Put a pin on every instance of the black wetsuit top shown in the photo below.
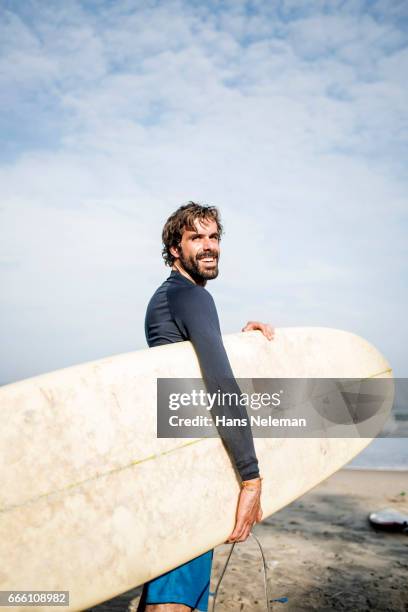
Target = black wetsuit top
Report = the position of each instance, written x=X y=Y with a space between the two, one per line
x=180 y=310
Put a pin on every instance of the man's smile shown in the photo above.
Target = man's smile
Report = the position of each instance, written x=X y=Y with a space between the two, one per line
x=208 y=258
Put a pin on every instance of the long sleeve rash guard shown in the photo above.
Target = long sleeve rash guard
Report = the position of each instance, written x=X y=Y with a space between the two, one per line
x=180 y=310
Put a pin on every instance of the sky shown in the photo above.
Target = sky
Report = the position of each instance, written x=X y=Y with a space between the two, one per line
x=290 y=116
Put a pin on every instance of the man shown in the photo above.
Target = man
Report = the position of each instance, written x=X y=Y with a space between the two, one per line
x=182 y=309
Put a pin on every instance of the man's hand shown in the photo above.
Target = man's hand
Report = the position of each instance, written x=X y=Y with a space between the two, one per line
x=267 y=330
x=249 y=511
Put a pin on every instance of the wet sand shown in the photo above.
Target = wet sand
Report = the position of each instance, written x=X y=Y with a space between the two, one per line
x=321 y=553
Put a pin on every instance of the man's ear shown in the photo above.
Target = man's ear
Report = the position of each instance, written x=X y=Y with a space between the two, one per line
x=175 y=251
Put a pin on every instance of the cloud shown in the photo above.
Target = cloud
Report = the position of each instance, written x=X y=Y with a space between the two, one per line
x=290 y=116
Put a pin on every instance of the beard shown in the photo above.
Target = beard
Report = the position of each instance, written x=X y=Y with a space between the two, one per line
x=200 y=270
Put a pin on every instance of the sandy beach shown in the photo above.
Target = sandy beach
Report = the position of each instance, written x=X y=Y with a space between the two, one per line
x=321 y=553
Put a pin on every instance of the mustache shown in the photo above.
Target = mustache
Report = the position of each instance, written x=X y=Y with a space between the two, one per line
x=208 y=254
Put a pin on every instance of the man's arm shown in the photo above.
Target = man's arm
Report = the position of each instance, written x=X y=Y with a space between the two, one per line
x=195 y=313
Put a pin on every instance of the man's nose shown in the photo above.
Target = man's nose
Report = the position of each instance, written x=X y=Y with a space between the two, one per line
x=208 y=244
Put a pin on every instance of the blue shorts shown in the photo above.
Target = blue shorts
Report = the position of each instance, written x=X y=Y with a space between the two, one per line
x=187 y=584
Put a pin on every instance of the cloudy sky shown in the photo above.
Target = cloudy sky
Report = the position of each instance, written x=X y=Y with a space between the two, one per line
x=290 y=115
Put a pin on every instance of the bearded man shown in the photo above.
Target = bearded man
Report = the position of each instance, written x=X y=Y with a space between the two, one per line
x=182 y=309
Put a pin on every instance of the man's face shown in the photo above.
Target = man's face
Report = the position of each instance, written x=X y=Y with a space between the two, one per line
x=199 y=250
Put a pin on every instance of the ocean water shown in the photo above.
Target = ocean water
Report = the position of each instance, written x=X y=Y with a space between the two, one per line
x=390 y=451
x=383 y=454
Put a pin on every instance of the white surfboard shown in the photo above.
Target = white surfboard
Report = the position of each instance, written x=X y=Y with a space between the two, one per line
x=91 y=502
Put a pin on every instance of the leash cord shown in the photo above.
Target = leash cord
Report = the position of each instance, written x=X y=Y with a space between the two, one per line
x=267 y=597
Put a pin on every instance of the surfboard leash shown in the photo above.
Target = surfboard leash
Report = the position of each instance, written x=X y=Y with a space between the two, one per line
x=266 y=589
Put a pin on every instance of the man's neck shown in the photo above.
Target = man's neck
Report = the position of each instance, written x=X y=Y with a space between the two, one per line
x=182 y=271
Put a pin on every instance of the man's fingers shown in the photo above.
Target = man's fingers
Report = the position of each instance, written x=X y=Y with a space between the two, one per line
x=245 y=534
x=235 y=536
x=239 y=531
x=244 y=525
x=267 y=330
x=251 y=325
x=239 y=526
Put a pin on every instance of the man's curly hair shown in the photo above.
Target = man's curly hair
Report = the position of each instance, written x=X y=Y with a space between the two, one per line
x=183 y=218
